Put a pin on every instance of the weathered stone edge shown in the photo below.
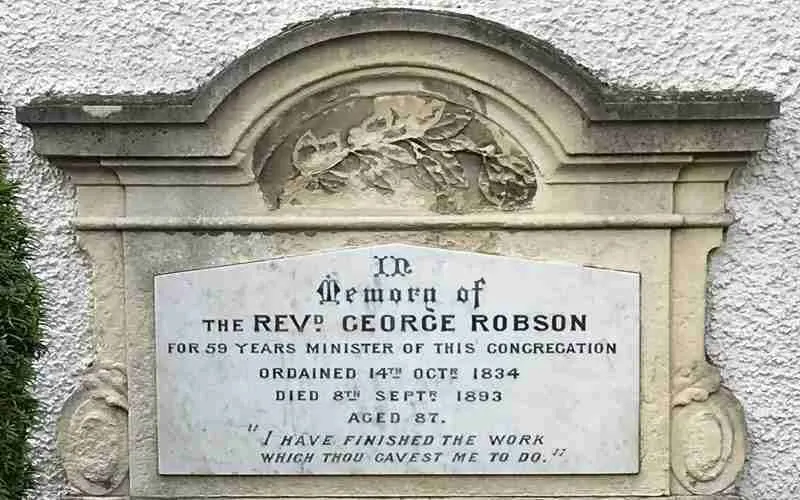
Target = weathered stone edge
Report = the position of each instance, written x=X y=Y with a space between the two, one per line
x=671 y=497
x=600 y=101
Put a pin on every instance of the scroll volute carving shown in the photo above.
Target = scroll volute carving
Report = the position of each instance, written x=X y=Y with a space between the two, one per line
x=448 y=150
x=93 y=432
x=708 y=431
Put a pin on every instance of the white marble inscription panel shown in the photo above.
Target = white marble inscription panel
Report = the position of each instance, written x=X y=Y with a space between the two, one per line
x=398 y=359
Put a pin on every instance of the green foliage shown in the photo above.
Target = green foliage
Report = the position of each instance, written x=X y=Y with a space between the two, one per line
x=20 y=344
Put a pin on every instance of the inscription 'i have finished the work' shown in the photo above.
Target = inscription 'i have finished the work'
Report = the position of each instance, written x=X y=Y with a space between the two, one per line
x=405 y=352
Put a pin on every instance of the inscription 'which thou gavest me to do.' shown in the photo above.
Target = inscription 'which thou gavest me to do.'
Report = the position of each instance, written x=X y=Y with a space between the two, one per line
x=398 y=360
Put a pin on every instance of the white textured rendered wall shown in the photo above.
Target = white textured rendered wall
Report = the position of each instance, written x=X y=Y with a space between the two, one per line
x=137 y=46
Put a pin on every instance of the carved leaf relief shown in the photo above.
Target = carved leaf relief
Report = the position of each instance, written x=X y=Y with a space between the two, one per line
x=419 y=138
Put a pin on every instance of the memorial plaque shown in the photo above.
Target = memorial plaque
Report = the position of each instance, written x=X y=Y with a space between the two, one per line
x=571 y=367
x=398 y=360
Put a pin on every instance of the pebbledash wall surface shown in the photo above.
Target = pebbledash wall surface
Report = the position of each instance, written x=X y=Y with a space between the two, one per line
x=144 y=46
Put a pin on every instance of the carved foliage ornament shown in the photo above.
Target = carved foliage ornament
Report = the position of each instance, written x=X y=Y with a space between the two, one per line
x=93 y=432
x=708 y=431
x=422 y=139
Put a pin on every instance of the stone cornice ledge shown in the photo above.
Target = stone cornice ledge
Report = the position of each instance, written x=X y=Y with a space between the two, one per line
x=404 y=222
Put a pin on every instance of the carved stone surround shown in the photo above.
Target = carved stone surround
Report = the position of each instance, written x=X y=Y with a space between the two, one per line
x=401 y=125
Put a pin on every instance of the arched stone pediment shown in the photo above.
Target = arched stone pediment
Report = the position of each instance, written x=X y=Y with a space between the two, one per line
x=332 y=51
x=532 y=118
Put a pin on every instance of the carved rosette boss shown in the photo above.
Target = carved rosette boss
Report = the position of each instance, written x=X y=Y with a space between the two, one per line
x=93 y=432
x=708 y=431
